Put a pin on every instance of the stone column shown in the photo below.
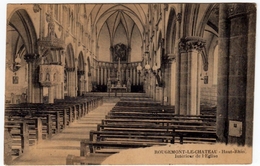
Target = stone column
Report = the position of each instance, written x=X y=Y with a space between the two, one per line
x=71 y=82
x=149 y=83
x=98 y=75
x=138 y=78
x=195 y=45
x=105 y=76
x=102 y=75
x=154 y=87
x=59 y=86
x=108 y=73
x=51 y=94
x=123 y=75
x=86 y=77
x=237 y=82
x=250 y=73
x=171 y=83
x=134 y=76
x=58 y=91
x=131 y=76
x=157 y=93
x=190 y=48
x=30 y=59
x=55 y=90
x=81 y=83
x=223 y=60
x=127 y=74
x=183 y=59
x=179 y=49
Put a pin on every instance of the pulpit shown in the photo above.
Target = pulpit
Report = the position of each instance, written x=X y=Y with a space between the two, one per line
x=50 y=76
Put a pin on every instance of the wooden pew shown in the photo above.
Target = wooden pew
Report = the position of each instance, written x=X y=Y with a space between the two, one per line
x=112 y=146
x=143 y=109
x=158 y=122
x=53 y=119
x=138 y=103
x=62 y=113
x=143 y=123
x=28 y=123
x=8 y=152
x=143 y=135
x=136 y=133
x=19 y=133
x=158 y=117
x=89 y=159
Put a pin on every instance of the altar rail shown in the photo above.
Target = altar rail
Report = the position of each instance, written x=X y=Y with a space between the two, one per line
x=105 y=70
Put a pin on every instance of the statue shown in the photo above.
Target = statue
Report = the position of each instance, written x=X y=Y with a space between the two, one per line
x=128 y=84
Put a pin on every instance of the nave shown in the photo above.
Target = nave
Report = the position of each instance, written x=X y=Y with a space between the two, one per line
x=132 y=122
x=189 y=70
x=55 y=150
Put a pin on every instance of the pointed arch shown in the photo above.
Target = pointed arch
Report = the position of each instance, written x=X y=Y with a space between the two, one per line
x=22 y=23
x=81 y=62
x=171 y=32
x=205 y=20
x=69 y=58
x=89 y=66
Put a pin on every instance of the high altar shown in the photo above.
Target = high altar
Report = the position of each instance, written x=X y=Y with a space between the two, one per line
x=118 y=75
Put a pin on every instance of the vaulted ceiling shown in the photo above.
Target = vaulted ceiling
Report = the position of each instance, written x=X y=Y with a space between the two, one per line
x=114 y=14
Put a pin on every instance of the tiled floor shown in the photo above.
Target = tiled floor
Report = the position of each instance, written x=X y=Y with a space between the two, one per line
x=55 y=151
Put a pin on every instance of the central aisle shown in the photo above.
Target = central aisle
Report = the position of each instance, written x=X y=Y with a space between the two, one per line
x=55 y=151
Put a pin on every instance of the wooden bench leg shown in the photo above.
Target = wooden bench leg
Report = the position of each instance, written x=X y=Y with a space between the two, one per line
x=181 y=139
x=83 y=148
x=64 y=118
x=57 y=122
x=69 y=160
x=25 y=137
x=75 y=113
x=49 y=126
x=39 y=130
x=98 y=127
x=7 y=148
x=71 y=114
x=173 y=140
x=91 y=136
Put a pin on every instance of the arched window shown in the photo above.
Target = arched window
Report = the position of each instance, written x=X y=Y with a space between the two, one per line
x=215 y=66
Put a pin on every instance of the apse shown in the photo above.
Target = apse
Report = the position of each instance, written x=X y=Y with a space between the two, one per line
x=104 y=44
x=136 y=43
x=119 y=28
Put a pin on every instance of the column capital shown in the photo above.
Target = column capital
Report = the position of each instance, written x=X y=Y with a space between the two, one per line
x=191 y=43
x=182 y=45
x=36 y=8
x=29 y=58
x=237 y=9
x=195 y=43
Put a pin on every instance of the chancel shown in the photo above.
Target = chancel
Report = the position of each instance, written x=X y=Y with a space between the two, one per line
x=86 y=81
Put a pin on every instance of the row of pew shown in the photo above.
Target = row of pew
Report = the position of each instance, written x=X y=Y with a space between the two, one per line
x=27 y=124
x=141 y=122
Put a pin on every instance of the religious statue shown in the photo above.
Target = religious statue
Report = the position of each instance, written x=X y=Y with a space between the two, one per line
x=47 y=77
x=128 y=84
x=159 y=81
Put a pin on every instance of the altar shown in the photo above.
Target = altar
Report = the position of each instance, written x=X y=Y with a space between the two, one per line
x=117 y=89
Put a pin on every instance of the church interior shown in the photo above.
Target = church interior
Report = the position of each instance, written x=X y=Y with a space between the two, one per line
x=145 y=74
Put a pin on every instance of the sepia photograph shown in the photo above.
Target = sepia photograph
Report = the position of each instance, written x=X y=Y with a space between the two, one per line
x=161 y=83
